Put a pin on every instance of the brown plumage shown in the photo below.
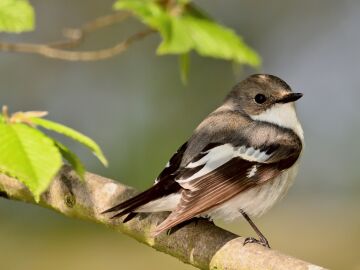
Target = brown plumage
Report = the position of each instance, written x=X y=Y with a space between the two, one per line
x=251 y=141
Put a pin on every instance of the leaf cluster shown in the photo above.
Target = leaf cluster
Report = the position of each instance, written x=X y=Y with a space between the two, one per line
x=185 y=28
x=33 y=157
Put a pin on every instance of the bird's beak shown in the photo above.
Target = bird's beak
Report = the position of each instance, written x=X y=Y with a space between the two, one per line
x=291 y=97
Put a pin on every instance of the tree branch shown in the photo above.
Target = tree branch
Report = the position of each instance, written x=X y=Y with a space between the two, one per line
x=74 y=37
x=202 y=245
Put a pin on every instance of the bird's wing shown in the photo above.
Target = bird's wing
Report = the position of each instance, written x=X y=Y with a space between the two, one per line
x=164 y=185
x=220 y=173
x=173 y=165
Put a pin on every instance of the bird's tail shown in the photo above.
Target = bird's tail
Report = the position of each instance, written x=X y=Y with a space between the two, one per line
x=131 y=204
x=162 y=188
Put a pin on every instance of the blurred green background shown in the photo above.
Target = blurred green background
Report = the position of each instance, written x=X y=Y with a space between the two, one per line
x=137 y=109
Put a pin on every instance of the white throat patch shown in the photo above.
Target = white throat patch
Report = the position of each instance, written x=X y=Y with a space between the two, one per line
x=283 y=115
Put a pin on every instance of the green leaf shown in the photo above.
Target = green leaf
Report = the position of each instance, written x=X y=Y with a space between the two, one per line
x=83 y=139
x=208 y=39
x=190 y=30
x=72 y=158
x=184 y=60
x=178 y=39
x=16 y=16
x=28 y=155
x=149 y=12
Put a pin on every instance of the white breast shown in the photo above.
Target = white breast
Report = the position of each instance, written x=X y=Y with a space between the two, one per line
x=283 y=115
x=256 y=201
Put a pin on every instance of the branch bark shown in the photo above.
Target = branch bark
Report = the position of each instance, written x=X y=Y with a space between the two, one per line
x=202 y=245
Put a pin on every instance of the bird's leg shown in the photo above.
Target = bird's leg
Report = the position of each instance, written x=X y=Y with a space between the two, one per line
x=262 y=240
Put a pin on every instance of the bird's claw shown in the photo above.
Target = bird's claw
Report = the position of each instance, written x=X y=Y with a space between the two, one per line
x=262 y=241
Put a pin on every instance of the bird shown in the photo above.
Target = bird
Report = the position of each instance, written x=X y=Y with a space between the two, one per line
x=239 y=161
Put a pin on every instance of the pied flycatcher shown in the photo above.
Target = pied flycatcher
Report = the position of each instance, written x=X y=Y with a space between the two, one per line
x=239 y=161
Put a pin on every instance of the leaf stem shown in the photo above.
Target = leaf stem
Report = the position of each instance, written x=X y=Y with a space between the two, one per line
x=5 y=113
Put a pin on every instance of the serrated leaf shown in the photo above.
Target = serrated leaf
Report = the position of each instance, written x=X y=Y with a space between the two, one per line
x=28 y=155
x=16 y=16
x=191 y=30
x=75 y=135
x=72 y=158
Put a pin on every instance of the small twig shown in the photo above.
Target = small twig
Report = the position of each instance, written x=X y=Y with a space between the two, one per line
x=75 y=37
x=51 y=52
x=5 y=112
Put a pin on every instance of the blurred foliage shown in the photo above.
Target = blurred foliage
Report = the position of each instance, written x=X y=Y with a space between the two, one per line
x=183 y=28
x=31 y=156
x=28 y=155
x=73 y=134
x=16 y=16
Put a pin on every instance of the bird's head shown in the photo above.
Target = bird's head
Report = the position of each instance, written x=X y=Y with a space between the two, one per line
x=259 y=93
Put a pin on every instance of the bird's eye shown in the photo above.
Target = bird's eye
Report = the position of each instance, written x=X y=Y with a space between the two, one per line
x=260 y=98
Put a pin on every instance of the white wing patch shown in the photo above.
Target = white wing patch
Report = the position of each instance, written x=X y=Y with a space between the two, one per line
x=215 y=157
x=221 y=154
x=251 y=154
x=252 y=171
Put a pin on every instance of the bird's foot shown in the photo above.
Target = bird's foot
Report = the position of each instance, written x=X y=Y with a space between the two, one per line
x=263 y=241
